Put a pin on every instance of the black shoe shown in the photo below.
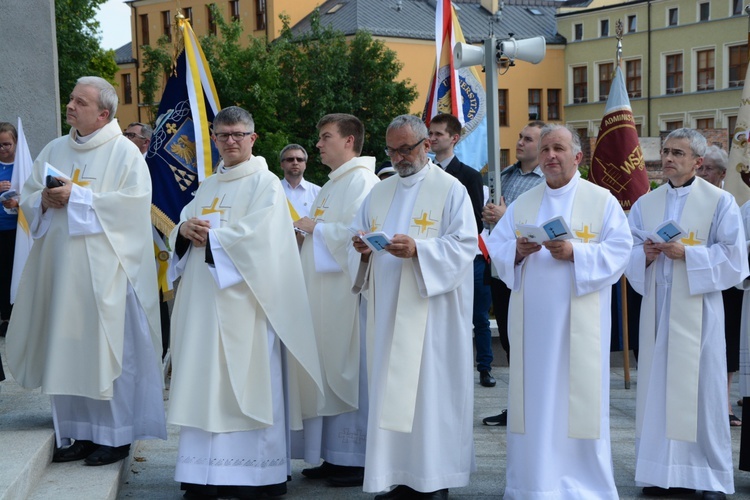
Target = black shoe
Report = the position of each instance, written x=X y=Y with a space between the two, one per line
x=3 y=328
x=79 y=450
x=655 y=491
x=346 y=476
x=400 y=492
x=435 y=495
x=501 y=419
x=486 y=379
x=199 y=491
x=323 y=471
x=108 y=455
x=253 y=492
x=714 y=495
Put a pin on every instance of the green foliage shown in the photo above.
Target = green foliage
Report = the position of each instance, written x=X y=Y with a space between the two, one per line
x=584 y=171
x=159 y=63
x=289 y=84
x=78 y=47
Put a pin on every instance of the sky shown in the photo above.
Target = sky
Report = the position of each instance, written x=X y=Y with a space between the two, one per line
x=114 y=24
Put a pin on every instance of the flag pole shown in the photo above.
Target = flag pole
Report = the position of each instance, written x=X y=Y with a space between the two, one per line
x=623 y=282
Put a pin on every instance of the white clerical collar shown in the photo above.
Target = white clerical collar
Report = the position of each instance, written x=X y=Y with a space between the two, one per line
x=572 y=183
x=83 y=139
x=415 y=178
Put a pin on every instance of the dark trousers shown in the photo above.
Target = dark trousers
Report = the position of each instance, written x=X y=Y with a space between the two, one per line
x=7 y=248
x=500 y=304
x=481 y=317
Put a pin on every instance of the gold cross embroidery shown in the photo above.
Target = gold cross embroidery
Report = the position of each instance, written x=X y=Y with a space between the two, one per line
x=585 y=235
x=691 y=240
x=212 y=209
x=320 y=209
x=423 y=223
x=373 y=225
x=77 y=178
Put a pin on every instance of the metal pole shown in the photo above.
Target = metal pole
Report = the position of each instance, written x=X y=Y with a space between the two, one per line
x=493 y=119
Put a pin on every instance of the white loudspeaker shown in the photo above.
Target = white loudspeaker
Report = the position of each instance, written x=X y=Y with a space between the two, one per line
x=530 y=50
x=465 y=55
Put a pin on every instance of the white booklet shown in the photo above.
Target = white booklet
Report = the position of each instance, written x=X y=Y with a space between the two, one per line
x=667 y=232
x=376 y=241
x=554 y=229
x=7 y=195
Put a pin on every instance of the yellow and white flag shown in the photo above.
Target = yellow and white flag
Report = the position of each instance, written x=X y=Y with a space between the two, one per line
x=21 y=170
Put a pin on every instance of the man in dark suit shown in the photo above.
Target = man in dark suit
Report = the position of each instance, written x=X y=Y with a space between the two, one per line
x=445 y=132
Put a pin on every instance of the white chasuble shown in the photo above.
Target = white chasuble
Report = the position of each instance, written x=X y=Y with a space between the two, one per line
x=539 y=463
x=221 y=370
x=704 y=461
x=435 y=453
x=67 y=330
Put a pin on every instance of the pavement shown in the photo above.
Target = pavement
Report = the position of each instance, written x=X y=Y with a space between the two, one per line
x=148 y=474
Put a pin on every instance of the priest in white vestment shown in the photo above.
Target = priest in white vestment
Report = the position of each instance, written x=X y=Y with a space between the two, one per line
x=744 y=462
x=339 y=436
x=85 y=327
x=420 y=297
x=232 y=327
x=559 y=328
x=682 y=434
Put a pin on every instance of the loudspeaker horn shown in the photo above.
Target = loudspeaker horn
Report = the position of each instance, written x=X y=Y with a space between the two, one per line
x=465 y=55
x=530 y=49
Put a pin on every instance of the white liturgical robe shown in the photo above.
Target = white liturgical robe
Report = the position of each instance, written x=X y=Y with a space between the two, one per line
x=718 y=261
x=439 y=451
x=339 y=439
x=544 y=462
x=227 y=390
x=85 y=327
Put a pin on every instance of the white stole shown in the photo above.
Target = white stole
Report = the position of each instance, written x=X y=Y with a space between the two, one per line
x=585 y=378
x=685 y=318
x=405 y=357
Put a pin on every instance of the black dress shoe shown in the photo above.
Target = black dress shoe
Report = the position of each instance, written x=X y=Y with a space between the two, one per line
x=79 y=450
x=347 y=476
x=714 y=495
x=323 y=471
x=108 y=455
x=501 y=419
x=400 y=492
x=655 y=491
x=435 y=495
x=253 y=492
x=486 y=379
x=199 y=491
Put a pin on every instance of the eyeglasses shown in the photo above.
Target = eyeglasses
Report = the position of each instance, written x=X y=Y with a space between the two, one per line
x=6 y=145
x=677 y=153
x=403 y=151
x=133 y=135
x=292 y=159
x=237 y=136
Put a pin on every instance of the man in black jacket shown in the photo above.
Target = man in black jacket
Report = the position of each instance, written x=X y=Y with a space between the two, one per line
x=445 y=132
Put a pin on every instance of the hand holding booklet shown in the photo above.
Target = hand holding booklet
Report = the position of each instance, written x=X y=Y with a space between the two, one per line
x=667 y=232
x=376 y=241
x=554 y=229
x=7 y=195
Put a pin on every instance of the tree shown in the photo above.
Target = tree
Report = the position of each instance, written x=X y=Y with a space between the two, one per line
x=290 y=83
x=78 y=47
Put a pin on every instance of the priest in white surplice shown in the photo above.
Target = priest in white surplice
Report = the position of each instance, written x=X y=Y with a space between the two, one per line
x=419 y=332
x=85 y=326
x=559 y=328
x=339 y=436
x=232 y=327
x=682 y=434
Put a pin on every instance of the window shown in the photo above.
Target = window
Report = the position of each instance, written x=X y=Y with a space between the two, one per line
x=736 y=7
x=731 y=125
x=606 y=73
x=674 y=74
x=583 y=133
x=553 y=104
x=704 y=12
x=188 y=13
x=705 y=71
x=632 y=24
x=535 y=104
x=127 y=89
x=144 y=29
x=504 y=157
x=580 y=85
x=604 y=28
x=502 y=107
x=704 y=123
x=166 y=25
x=737 y=65
x=673 y=125
x=260 y=14
x=673 y=16
x=639 y=129
x=234 y=10
x=633 y=78
x=578 y=32
x=211 y=20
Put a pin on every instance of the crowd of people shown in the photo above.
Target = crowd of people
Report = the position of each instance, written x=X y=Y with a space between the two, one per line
x=338 y=324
